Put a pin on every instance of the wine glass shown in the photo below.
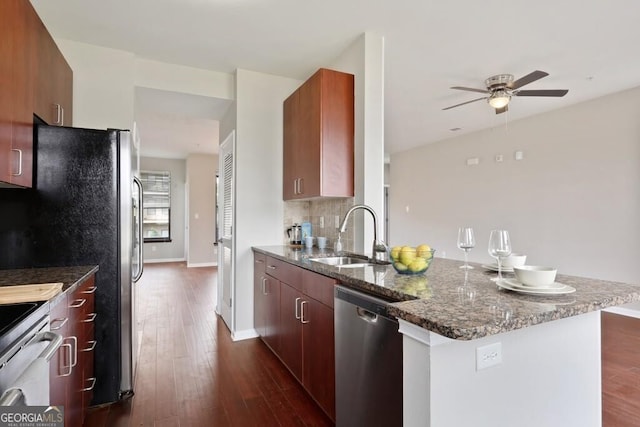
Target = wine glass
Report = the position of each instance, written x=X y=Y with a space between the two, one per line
x=499 y=247
x=466 y=242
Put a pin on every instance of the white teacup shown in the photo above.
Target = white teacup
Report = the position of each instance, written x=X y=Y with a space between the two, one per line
x=513 y=260
x=322 y=242
x=308 y=242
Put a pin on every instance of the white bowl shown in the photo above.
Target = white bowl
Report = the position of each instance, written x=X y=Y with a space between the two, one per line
x=513 y=260
x=535 y=276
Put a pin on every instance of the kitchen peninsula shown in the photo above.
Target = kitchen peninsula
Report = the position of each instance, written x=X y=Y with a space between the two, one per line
x=542 y=353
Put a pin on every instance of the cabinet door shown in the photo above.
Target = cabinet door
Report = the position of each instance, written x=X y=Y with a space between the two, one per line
x=272 y=313
x=308 y=138
x=54 y=81
x=259 y=295
x=290 y=171
x=22 y=78
x=8 y=12
x=318 y=354
x=290 y=329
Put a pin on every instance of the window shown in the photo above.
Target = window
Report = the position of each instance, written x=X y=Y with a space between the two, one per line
x=156 y=206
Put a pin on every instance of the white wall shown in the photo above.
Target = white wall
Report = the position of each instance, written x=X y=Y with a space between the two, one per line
x=102 y=85
x=258 y=186
x=179 y=78
x=572 y=202
x=201 y=223
x=174 y=250
x=365 y=59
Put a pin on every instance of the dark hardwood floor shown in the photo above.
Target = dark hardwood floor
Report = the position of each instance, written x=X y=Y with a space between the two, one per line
x=620 y=371
x=191 y=373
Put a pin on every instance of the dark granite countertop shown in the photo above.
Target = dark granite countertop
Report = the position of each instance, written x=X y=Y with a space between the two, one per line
x=444 y=302
x=70 y=277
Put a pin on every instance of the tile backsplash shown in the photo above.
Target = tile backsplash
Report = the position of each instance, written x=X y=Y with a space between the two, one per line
x=316 y=211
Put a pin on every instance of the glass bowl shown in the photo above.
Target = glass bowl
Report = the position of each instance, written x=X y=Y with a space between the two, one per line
x=409 y=260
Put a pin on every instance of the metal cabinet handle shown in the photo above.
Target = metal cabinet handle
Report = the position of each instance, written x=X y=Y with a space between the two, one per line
x=90 y=290
x=75 y=351
x=59 y=114
x=90 y=318
x=93 y=384
x=259 y=261
x=264 y=286
x=63 y=322
x=297 y=311
x=300 y=186
x=69 y=365
x=92 y=345
x=302 y=306
x=78 y=303
x=271 y=267
x=19 y=162
x=295 y=186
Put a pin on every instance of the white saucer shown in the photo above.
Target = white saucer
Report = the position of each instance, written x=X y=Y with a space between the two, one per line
x=494 y=267
x=555 y=289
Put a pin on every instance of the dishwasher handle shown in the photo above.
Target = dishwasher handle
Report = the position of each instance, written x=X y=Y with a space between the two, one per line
x=366 y=315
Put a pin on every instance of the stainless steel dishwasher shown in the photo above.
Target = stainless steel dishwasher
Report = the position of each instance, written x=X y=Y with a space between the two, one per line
x=368 y=361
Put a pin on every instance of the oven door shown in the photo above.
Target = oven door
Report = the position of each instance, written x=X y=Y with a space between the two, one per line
x=24 y=375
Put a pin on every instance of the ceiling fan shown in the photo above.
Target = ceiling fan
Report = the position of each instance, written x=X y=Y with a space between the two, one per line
x=502 y=87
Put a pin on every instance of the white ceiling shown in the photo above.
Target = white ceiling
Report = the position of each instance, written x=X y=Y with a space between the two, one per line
x=588 y=47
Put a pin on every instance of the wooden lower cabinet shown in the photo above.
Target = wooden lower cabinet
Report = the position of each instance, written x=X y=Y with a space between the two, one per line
x=266 y=304
x=319 y=367
x=290 y=330
x=71 y=368
x=296 y=322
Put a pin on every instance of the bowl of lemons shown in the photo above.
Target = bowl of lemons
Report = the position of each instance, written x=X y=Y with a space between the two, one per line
x=410 y=259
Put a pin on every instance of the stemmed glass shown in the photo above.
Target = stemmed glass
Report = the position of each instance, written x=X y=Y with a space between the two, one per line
x=499 y=247
x=466 y=242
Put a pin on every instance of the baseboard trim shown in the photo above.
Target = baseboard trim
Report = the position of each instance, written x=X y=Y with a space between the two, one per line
x=244 y=335
x=161 y=260
x=201 y=264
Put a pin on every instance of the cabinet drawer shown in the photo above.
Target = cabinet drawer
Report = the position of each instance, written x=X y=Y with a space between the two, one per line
x=318 y=287
x=285 y=272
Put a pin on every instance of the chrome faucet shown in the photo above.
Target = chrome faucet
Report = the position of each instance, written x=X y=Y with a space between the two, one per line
x=379 y=248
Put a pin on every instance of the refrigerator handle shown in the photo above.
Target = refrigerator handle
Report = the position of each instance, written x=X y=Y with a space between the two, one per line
x=139 y=231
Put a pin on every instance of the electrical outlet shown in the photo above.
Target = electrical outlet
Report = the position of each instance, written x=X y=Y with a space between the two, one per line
x=488 y=355
x=321 y=222
x=153 y=248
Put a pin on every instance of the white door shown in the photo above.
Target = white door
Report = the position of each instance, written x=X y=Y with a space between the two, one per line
x=226 y=216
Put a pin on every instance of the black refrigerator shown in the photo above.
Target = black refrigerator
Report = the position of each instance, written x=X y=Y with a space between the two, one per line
x=85 y=209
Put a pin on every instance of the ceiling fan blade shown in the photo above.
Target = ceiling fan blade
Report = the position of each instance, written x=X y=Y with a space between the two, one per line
x=502 y=110
x=470 y=89
x=542 y=92
x=529 y=78
x=464 y=103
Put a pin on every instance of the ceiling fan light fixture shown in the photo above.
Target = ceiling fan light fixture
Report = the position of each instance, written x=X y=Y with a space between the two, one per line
x=499 y=99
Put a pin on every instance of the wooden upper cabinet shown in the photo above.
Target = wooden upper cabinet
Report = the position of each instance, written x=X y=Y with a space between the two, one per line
x=32 y=68
x=319 y=137
x=53 y=99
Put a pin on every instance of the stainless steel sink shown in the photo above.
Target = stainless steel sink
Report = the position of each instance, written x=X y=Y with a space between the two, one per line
x=342 y=261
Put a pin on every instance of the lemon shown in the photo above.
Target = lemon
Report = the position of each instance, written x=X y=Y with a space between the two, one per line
x=407 y=255
x=423 y=251
x=419 y=264
x=400 y=266
x=395 y=253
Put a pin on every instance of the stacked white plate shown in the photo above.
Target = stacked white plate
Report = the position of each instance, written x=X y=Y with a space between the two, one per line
x=553 y=289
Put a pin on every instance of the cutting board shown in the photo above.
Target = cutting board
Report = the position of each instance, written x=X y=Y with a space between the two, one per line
x=29 y=293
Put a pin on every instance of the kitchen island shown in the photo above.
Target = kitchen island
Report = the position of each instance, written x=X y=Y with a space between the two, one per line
x=474 y=354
